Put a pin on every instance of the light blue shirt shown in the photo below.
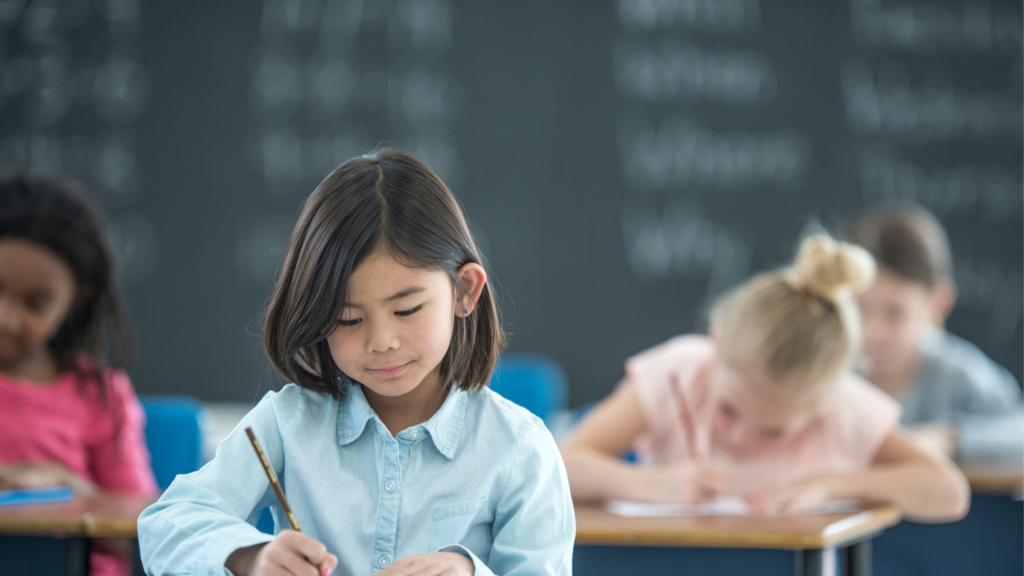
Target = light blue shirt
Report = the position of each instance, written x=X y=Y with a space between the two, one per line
x=959 y=385
x=482 y=477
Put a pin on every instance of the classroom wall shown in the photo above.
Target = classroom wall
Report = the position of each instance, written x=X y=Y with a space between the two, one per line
x=621 y=161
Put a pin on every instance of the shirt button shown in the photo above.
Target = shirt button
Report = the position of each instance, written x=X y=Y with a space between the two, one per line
x=390 y=485
x=384 y=562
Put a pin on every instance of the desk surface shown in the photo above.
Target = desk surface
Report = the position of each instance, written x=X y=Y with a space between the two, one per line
x=106 y=516
x=994 y=479
x=596 y=526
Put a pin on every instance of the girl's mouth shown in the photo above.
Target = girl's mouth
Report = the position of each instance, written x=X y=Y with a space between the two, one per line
x=393 y=371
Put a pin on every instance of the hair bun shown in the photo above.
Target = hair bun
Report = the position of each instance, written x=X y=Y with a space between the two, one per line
x=832 y=269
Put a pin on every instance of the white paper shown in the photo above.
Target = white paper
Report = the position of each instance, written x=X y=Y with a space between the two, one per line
x=722 y=506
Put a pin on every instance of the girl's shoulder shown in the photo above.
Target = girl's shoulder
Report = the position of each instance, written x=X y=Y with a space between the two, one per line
x=494 y=410
x=860 y=405
x=292 y=405
x=681 y=354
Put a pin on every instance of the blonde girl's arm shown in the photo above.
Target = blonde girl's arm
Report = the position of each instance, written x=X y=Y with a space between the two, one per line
x=925 y=484
x=593 y=451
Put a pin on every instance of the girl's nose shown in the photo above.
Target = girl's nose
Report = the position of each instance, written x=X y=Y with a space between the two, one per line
x=382 y=338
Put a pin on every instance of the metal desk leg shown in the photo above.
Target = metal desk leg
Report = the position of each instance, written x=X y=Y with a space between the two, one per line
x=810 y=562
x=77 y=556
x=137 y=568
x=856 y=559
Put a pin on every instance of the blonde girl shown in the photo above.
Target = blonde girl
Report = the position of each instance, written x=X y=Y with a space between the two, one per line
x=766 y=407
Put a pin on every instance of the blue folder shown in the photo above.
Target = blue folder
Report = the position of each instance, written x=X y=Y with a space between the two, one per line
x=36 y=495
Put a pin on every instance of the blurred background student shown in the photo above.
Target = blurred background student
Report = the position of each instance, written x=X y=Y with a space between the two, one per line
x=765 y=408
x=954 y=397
x=68 y=414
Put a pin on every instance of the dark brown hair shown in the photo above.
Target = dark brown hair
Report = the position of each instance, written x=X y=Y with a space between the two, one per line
x=907 y=240
x=57 y=214
x=386 y=200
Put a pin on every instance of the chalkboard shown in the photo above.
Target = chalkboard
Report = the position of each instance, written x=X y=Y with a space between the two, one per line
x=622 y=162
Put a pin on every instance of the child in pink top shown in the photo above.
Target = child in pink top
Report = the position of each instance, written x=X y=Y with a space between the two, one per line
x=69 y=414
x=766 y=408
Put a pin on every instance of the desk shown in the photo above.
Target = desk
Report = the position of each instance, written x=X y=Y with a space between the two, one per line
x=995 y=479
x=990 y=540
x=55 y=538
x=755 y=545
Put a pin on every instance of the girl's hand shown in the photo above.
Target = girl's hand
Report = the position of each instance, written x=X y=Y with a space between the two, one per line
x=291 y=553
x=689 y=483
x=793 y=498
x=436 y=564
x=44 y=475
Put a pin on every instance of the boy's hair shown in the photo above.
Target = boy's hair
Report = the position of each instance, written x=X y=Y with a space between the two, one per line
x=384 y=201
x=801 y=320
x=906 y=240
x=56 y=213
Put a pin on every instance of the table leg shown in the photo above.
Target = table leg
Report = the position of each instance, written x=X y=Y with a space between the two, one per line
x=77 y=556
x=810 y=562
x=856 y=559
x=137 y=568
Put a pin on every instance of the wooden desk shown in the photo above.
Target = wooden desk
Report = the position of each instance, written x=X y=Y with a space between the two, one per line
x=115 y=517
x=994 y=479
x=55 y=538
x=805 y=536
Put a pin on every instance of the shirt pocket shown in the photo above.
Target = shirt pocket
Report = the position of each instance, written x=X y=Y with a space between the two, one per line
x=451 y=522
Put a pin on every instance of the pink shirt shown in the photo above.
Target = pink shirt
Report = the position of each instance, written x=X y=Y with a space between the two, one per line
x=843 y=438
x=58 y=422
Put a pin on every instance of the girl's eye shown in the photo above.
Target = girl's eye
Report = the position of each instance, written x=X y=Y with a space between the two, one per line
x=728 y=411
x=349 y=322
x=408 y=312
x=35 y=306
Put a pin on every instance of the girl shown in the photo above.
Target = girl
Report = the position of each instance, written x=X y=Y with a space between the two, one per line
x=766 y=408
x=393 y=455
x=70 y=416
x=954 y=397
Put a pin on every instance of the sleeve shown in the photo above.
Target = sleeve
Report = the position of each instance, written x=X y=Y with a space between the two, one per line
x=649 y=373
x=118 y=457
x=534 y=525
x=990 y=419
x=870 y=417
x=205 y=516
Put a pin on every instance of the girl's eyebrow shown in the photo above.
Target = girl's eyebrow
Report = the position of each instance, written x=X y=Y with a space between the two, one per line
x=397 y=296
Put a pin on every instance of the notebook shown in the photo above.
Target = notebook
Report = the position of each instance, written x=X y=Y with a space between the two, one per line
x=36 y=495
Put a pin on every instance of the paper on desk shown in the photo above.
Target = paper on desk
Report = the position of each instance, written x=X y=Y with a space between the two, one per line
x=722 y=506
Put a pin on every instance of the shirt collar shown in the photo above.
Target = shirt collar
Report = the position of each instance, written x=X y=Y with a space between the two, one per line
x=444 y=427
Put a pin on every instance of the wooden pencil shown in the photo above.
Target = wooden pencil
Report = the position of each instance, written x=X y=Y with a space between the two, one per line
x=273 y=480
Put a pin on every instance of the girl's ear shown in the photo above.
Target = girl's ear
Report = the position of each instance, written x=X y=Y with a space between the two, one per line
x=473 y=278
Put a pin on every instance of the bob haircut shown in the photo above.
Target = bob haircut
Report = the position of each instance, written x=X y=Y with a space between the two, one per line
x=384 y=201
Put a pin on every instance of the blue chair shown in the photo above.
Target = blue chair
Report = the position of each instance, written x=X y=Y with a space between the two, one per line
x=174 y=435
x=533 y=381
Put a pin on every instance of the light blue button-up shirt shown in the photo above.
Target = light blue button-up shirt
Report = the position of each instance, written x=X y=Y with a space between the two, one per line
x=482 y=477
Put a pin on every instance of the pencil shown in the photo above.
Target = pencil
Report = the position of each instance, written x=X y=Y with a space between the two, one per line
x=693 y=443
x=273 y=481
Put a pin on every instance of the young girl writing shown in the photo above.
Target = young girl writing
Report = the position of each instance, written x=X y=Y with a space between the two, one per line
x=954 y=397
x=766 y=408
x=70 y=416
x=393 y=455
